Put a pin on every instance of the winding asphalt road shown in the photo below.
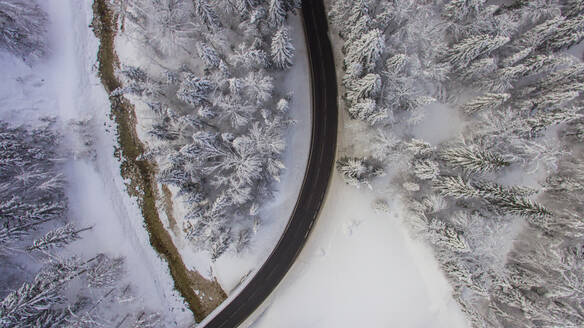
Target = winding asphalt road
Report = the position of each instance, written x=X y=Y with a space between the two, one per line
x=316 y=180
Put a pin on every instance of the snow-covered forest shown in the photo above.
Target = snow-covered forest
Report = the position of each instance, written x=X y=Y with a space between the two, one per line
x=214 y=116
x=471 y=112
x=68 y=257
x=208 y=87
x=44 y=286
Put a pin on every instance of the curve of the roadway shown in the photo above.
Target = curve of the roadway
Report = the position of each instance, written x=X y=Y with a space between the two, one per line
x=316 y=179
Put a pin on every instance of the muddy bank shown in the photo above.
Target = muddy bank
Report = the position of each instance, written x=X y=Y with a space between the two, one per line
x=140 y=174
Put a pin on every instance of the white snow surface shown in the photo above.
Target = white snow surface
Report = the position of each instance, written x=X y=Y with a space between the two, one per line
x=360 y=268
x=232 y=269
x=66 y=85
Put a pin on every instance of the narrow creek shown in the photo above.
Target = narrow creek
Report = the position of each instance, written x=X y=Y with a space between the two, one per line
x=140 y=174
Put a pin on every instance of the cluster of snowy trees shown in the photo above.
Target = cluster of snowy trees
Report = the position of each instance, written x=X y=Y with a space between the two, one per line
x=41 y=286
x=512 y=252
x=22 y=28
x=218 y=118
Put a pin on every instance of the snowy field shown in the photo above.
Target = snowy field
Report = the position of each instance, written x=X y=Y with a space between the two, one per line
x=360 y=268
x=66 y=85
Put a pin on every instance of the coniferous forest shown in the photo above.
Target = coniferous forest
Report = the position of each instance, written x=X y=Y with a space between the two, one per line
x=469 y=114
x=499 y=196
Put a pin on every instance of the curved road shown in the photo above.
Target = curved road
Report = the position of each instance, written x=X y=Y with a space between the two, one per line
x=316 y=180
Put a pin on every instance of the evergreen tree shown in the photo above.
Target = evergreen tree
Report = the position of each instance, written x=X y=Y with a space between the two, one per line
x=22 y=28
x=282 y=49
x=568 y=33
x=366 y=50
x=259 y=87
x=207 y=14
x=573 y=8
x=368 y=86
x=461 y=54
x=245 y=6
x=208 y=55
x=456 y=187
x=425 y=169
x=473 y=160
x=367 y=110
x=357 y=171
x=57 y=238
x=277 y=12
x=194 y=90
x=105 y=271
x=478 y=69
x=485 y=102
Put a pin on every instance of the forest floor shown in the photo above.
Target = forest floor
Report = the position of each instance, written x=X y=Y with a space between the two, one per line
x=140 y=174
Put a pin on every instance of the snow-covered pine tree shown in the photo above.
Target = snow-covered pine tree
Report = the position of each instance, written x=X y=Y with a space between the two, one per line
x=249 y=57
x=231 y=110
x=478 y=69
x=282 y=48
x=105 y=271
x=207 y=14
x=357 y=10
x=258 y=87
x=459 y=10
x=456 y=187
x=208 y=55
x=485 y=102
x=425 y=169
x=445 y=236
x=57 y=238
x=368 y=111
x=366 y=50
x=363 y=25
x=358 y=171
x=38 y=300
x=166 y=24
x=277 y=12
x=472 y=159
x=245 y=6
x=32 y=192
x=22 y=28
x=396 y=64
x=568 y=33
x=461 y=54
x=368 y=86
x=536 y=124
x=573 y=8
x=194 y=90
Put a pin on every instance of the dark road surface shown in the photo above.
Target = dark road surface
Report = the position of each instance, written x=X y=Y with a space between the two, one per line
x=316 y=180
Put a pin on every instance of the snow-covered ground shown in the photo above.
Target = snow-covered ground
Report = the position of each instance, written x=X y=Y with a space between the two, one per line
x=232 y=269
x=66 y=85
x=360 y=268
